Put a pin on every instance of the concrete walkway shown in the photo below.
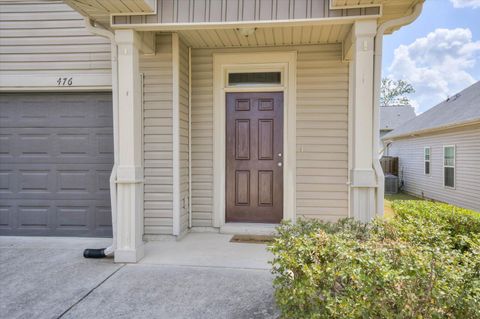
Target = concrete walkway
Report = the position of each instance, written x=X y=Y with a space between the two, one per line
x=202 y=276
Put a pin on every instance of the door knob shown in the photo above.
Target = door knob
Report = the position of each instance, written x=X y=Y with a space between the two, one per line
x=279 y=164
x=279 y=154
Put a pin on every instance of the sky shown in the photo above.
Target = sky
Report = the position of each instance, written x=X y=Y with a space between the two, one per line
x=439 y=53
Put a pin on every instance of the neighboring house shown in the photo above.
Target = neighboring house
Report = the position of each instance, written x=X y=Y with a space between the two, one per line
x=229 y=115
x=439 y=151
x=56 y=131
x=392 y=117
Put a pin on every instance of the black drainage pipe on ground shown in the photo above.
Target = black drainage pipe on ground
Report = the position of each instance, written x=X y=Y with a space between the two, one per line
x=94 y=253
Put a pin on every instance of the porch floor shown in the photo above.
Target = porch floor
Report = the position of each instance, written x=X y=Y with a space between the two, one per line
x=207 y=250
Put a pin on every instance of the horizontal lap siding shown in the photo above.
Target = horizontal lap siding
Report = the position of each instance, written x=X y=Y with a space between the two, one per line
x=48 y=37
x=183 y=101
x=202 y=137
x=322 y=129
x=157 y=70
x=467 y=171
x=322 y=101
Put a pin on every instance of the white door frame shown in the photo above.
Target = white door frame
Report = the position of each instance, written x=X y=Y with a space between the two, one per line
x=284 y=62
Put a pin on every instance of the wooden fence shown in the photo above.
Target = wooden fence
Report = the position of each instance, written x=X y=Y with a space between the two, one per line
x=389 y=165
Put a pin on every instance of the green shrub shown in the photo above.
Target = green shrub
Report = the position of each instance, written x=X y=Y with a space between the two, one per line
x=350 y=270
x=454 y=222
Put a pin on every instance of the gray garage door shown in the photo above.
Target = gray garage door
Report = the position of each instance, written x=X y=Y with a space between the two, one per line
x=56 y=155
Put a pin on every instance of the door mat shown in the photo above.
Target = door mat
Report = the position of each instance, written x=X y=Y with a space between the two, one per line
x=252 y=239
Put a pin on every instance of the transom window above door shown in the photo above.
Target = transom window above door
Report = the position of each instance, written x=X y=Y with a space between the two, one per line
x=254 y=78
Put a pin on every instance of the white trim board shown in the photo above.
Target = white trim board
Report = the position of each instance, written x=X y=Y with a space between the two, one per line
x=284 y=62
x=49 y=82
x=176 y=135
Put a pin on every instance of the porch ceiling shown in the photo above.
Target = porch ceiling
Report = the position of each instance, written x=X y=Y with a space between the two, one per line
x=296 y=35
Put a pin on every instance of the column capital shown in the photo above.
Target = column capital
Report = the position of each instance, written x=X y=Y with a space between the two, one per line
x=367 y=28
x=143 y=41
x=127 y=37
x=364 y=30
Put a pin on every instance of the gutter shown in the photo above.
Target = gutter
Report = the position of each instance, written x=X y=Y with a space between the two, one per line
x=377 y=77
x=432 y=130
x=109 y=251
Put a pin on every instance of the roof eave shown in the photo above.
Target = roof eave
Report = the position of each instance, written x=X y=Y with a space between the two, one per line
x=391 y=136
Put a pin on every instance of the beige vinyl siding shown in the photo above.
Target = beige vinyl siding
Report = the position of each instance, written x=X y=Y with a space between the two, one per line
x=467 y=167
x=322 y=102
x=322 y=129
x=158 y=205
x=48 y=37
x=202 y=138
x=183 y=104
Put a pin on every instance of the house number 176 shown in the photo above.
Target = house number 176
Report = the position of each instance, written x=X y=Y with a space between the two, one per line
x=64 y=81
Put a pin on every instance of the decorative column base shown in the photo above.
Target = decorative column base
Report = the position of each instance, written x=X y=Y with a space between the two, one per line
x=129 y=256
x=363 y=203
x=362 y=195
x=129 y=241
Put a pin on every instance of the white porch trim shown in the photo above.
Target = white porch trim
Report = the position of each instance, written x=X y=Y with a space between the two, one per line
x=129 y=222
x=362 y=176
x=284 y=62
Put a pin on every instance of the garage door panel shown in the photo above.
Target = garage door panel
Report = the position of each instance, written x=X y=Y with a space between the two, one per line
x=56 y=110
x=56 y=156
x=56 y=218
x=55 y=181
x=34 y=216
x=6 y=146
x=6 y=211
x=56 y=145
x=6 y=181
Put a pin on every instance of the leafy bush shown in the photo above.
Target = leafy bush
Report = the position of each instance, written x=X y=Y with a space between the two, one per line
x=454 y=222
x=411 y=267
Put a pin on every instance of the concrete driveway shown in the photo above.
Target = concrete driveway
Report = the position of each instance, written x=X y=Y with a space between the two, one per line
x=49 y=278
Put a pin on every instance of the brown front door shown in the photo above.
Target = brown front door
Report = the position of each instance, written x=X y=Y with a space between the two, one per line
x=254 y=155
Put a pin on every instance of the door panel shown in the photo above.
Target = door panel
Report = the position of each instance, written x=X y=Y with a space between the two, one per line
x=254 y=157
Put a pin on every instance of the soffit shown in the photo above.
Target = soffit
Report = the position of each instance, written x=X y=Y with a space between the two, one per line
x=278 y=36
x=100 y=10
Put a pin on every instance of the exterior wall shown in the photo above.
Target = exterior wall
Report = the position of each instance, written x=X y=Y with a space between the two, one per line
x=467 y=171
x=41 y=41
x=158 y=187
x=198 y=11
x=322 y=133
x=183 y=118
x=322 y=125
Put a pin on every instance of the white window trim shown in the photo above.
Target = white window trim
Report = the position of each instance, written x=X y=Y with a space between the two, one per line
x=258 y=69
x=223 y=63
x=429 y=160
x=454 y=166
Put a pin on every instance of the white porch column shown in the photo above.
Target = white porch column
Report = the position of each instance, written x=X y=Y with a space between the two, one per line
x=362 y=175
x=129 y=242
